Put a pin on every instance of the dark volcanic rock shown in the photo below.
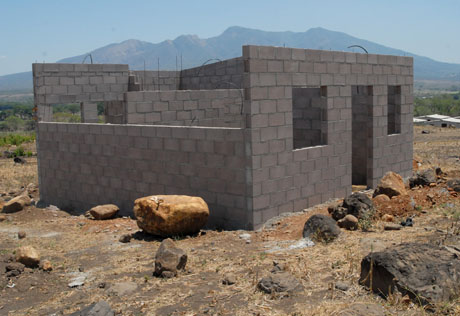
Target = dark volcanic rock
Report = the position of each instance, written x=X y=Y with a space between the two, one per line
x=321 y=227
x=358 y=204
x=169 y=259
x=454 y=184
x=424 y=177
x=101 y=308
x=338 y=212
x=279 y=282
x=425 y=272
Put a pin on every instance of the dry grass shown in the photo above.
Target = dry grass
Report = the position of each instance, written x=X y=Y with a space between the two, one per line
x=13 y=176
x=93 y=247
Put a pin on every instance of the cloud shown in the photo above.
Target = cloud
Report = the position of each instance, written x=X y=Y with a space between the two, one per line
x=2 y=56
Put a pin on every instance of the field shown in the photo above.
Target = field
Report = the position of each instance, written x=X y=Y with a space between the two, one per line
x=121 y=273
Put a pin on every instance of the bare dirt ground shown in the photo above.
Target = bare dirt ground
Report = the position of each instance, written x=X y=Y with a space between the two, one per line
x=121 y=273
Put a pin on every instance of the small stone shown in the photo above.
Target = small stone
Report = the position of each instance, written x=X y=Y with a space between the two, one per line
x=45 y=265
x=391 y=226
x=2 y=218
x=279 y=282
x=16 y=204
x=387 y=218
x=245 y=236
x=348 y=222
x=229 y=279
x=28 y=256
x=22 y=234
x=342 y=286
x=169 y=259
x=14 y=269
x=408 y=222
x=101 y=308
x=78 y=280
x=102 y=212
x=101 y=285
x=125 y=238
x=123 y=288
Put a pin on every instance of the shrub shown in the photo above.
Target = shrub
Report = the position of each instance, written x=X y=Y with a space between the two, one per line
x=16 y=139
x=19 y=152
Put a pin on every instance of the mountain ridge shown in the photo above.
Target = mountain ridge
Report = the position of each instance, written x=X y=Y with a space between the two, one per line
x=190 y=51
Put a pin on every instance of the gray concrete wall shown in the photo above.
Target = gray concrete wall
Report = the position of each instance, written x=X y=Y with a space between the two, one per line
x=283 y=179
x=83 y=165
x=227 y=74
x=73 y=83
x=115 y=112
x=151 y=80
x=185 y=107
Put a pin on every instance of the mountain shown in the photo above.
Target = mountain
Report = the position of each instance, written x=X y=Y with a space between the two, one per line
x=19 y=81
x=194 y=51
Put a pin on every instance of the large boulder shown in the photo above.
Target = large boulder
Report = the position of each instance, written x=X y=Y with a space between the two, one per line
x=279 y=282
x=391 y=185
x=17 y=204
x=321 y=227
x=28 y=256
x=106 y=211
x=169 y=259
x=359 y=205
x=424 y=272
x=424 y=178
x=171 y=215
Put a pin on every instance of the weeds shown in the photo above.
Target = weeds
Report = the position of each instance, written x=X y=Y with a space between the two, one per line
x=15 y=139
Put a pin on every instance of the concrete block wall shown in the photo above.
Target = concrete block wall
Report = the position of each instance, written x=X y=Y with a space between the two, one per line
x=88 y=112
x=227 y=74
x=283 y=179
x=73 y=83
x=114 y=112
x=151 y=80
x=185 y=107
x=83 y=165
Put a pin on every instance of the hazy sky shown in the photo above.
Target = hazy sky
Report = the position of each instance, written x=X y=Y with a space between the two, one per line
x=45 y=30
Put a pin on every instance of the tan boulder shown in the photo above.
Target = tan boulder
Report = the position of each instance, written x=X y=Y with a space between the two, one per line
x=391 y=185
x=387 y=218
x=28 y=256
x=381 y=198
x=106 y=211
x=17 y=204
x=46 y=265
x=171 y=215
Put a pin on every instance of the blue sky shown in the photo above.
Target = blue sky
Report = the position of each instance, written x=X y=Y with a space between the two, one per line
x=45 y=30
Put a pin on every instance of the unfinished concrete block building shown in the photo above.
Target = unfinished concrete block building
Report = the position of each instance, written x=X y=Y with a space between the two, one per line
x=276 y=130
